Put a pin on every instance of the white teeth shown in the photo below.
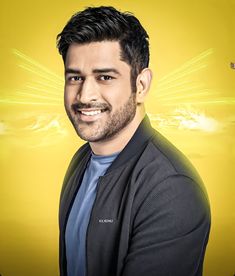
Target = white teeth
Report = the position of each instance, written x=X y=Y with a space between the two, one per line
x=91 y=113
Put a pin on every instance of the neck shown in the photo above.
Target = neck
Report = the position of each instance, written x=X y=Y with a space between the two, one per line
x=120 y=140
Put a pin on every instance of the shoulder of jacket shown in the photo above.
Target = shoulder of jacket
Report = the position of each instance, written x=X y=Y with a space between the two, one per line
x=78 y=156
x=162 y=167
x=165 y=154
x=80 y=152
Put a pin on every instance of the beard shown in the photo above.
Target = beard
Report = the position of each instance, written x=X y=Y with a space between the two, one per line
x=106 y=127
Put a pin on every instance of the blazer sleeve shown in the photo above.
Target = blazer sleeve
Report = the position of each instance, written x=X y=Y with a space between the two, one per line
x=170 y=231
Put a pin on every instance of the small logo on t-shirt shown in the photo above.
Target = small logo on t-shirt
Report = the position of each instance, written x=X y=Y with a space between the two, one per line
x=105 y=220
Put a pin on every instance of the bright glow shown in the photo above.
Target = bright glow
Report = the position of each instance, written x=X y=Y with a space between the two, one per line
x=186 y=119
x=195 y=121
x=46 y=90
x=3 y=128
x=45 y=123
x=174 y=90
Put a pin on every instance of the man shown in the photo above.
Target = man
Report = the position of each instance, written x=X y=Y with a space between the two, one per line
x=131 y=204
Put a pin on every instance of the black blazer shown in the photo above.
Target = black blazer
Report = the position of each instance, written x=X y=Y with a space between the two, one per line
x=151 y=215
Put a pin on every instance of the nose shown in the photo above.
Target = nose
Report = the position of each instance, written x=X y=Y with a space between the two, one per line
x=88 y=91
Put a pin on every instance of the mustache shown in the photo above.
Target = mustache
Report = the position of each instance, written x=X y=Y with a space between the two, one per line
x=80 y=105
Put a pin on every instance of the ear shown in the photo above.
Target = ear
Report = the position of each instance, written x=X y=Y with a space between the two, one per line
x=143 y=82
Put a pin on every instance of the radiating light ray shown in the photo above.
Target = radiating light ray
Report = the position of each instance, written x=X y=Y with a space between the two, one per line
x=47 y=90
x=172 y=87
x=185 y=97
x=17 y=101
x=38 y=73
x=36 y=96
x=37 y=65
x=188 y=89
x=175 y=87
x=184 y=68
x=219 y=101
x=43 y=90
x=182 y=75
x=56 y=87
x=173 y=90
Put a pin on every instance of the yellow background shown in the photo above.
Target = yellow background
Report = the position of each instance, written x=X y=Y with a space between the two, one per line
x=191 y=102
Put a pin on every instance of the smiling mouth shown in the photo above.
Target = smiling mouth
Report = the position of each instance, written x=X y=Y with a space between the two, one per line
x=92 y=112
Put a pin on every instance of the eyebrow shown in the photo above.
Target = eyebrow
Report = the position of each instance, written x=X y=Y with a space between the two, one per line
x=72 y=71
x=101 y=70
x=106 y=70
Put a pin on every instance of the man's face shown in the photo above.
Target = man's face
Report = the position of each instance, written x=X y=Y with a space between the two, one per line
x=98 y=97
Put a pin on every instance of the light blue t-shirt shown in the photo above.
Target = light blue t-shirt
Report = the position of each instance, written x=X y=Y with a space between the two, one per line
x=75 y=234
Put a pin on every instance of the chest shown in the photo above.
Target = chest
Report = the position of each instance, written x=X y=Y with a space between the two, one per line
x=110 y=223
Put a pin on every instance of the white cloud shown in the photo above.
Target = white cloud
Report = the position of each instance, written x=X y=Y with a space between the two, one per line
x=3 y=128
x=189 y=119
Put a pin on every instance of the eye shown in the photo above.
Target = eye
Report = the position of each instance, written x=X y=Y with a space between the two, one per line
x=105 y=77
x=75 y=79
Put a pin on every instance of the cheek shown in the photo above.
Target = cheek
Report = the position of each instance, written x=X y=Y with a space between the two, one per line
x=66 y=98
x=69 y=96
x=120 y=95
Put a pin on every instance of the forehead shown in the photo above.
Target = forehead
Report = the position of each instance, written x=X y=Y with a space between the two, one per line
x=95 y=55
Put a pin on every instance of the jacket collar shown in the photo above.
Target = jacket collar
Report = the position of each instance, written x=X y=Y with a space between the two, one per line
x=137 y=142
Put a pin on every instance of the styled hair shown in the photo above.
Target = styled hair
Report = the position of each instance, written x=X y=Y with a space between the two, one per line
x=96 y=24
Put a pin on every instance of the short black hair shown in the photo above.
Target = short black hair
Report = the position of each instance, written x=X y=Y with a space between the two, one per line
x=95 y=24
